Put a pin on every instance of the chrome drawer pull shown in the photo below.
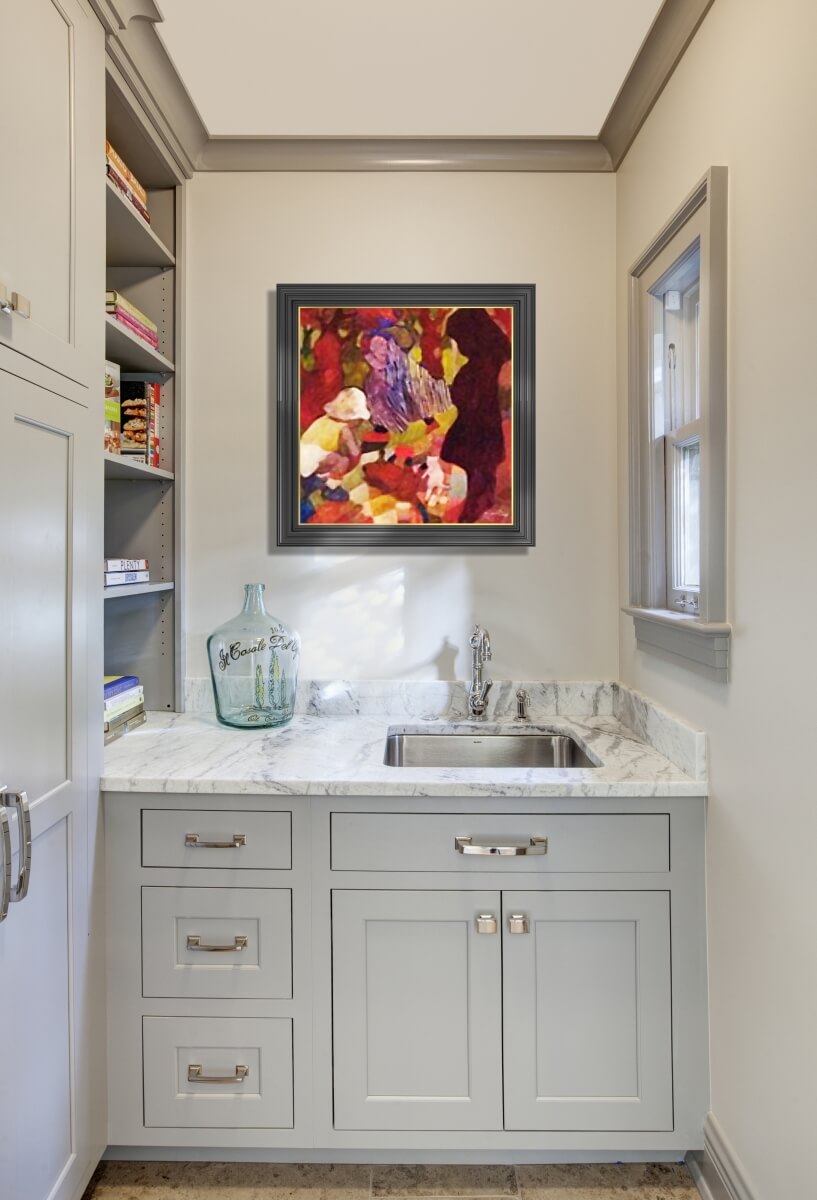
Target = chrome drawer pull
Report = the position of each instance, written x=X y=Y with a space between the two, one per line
x=533 y=845
x=486 y=923
x=20 y=802
x=518 y=923
x=193 y=842
x=194 y=1075
x=194 y=942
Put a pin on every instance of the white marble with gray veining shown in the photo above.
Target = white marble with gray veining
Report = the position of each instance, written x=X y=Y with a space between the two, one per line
x=334 y=745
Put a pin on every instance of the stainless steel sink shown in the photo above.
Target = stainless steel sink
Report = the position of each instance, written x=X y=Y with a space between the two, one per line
x=469 y=749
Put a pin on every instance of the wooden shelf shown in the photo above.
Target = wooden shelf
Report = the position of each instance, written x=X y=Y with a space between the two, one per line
x=120 y=466
x=135 y=589
x=132 y=354
x=130 y=240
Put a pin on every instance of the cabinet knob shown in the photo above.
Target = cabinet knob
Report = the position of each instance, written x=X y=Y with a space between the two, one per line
x=518 y=923
x=486 y=923
x=21 y=305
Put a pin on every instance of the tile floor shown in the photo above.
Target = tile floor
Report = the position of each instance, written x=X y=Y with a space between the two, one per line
x=279 y=1181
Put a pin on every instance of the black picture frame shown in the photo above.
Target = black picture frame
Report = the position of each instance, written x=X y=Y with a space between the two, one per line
x=290 y=298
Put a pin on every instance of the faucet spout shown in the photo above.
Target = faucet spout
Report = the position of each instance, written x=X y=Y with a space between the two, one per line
x=480 y=643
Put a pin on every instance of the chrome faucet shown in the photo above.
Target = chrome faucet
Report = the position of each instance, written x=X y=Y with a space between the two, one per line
x=480 y=643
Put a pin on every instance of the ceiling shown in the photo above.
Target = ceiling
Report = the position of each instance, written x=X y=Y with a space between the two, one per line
x=426 y=68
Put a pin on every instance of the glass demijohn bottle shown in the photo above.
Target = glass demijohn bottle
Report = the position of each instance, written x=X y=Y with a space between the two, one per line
x=254 y=666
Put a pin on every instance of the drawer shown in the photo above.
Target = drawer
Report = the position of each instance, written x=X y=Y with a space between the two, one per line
x=618 y=842
x=217 y=943
x=241 y=1077
x=216 y=837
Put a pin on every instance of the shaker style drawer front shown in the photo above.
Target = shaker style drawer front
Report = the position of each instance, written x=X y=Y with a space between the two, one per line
x=216 y=838
x=217 y=943
x=217 y=1072
x=541 y=843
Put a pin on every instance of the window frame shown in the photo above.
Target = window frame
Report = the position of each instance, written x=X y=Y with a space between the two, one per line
x=701 y=638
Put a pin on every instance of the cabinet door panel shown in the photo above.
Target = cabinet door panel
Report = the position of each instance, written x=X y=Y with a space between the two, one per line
x=417 y=1011
x=587 y=1011
x=51 y=164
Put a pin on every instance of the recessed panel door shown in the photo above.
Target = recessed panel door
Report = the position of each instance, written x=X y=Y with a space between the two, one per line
x=46 y=1045
x=587 y=1011
x=417 y=1010
x=52 y=196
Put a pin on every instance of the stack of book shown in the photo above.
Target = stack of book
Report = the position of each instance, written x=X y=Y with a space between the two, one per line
x=140 y=419
x=113 y=416
x=124 y=179
x=127 y=314
x=119 y=571
x=124 y=705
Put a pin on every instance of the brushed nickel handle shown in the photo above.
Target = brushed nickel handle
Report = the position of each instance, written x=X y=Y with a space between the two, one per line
x=518 y=923
x=486 y=923
x=193 y=841
x=530 y=846
x=194 y=942
x=5 y=303
x=194 y=1075
x=21 y=305
x=20 y=801
x=5 y=864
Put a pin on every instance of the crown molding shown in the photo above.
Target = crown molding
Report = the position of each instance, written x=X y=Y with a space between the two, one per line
x=140 y=57
x=403 y=154
x=672 y=30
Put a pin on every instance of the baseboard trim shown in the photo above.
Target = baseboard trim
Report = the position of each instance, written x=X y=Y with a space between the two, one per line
x=717 y=1173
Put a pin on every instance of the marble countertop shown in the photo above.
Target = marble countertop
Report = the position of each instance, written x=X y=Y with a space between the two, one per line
x=342 y=755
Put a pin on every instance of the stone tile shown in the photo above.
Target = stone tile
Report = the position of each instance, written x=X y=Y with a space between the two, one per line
x=276 y=1181
x=440 y=1181
x=136 y=1180
x=606 y=1181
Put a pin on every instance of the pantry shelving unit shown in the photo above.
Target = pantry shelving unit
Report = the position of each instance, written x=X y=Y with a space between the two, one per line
x=143 y=516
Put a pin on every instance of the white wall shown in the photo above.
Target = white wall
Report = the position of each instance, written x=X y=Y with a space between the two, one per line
x=745 y=95
x=551 y=610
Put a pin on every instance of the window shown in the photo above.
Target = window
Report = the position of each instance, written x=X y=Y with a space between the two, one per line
x=677 y=434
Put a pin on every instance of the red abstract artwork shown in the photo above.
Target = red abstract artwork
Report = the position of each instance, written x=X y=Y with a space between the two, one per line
x=405 y=416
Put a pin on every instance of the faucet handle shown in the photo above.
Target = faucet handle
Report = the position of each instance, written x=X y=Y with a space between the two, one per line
x=522 y=702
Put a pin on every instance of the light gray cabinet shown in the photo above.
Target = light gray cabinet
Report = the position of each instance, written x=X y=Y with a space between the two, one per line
x=417 y=1010
x=52 y=202
x=434 y=990
x=587 y=1008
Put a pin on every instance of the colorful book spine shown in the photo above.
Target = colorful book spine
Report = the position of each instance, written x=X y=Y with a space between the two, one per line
x=127 y=564
x=112 y=685
x=113 y=411
x=117 y=578
x=115 y=300
x=125 y=171
x=131 y=323
x=126 y=192
x=123 y=727
x=123 y=701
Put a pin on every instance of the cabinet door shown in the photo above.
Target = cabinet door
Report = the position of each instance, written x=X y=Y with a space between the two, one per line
x=52 y=196
x=48 y=1039
x=587 y=1016
x=417 y=1011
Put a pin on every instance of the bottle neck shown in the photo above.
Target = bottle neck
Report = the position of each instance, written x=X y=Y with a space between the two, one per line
x=254 y=600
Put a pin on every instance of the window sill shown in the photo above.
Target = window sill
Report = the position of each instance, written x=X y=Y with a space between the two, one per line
x=703 y=645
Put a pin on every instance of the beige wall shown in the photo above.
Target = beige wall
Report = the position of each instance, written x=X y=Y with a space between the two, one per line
x=551 y=610
x=745 y=96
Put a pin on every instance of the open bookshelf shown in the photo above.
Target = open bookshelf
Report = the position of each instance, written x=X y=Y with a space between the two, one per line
x=142 y=501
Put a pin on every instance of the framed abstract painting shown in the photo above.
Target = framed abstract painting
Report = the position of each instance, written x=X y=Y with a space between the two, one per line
x=405 y=414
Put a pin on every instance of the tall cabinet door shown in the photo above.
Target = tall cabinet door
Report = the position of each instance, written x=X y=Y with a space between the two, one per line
x=46 y=1043
x=587 y=1011
x=417 y=1010
x=52 y=129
